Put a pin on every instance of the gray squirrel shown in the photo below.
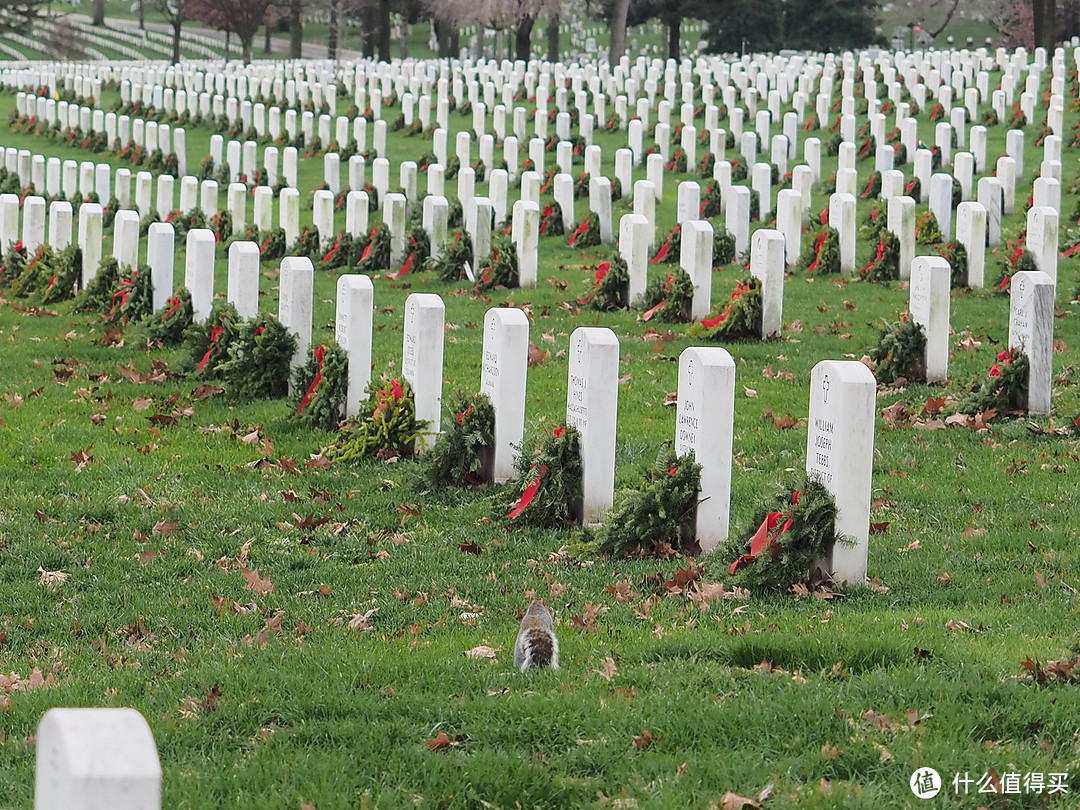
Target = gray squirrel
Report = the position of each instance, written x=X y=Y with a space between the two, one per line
x=536 y=644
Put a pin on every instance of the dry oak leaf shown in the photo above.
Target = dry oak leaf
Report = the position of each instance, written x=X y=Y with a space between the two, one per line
x=254 y=583
x=52 y=580
x=362 y=621
x=165 y=527
x=483 y=651
x=733 y=801
x=607 y=669
x=622 y=591
x=439 y=742
x=645 y=739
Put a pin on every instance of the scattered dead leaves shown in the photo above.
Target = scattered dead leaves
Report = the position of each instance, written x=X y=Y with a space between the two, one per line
x=607 y=669
x=645 y=739
x=1064 y=670
x=52 y=580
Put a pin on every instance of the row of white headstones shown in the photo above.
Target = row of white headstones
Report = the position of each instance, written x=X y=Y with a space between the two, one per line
x=842 y=400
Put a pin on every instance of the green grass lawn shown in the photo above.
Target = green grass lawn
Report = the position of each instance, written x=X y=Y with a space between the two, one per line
x=263 y=697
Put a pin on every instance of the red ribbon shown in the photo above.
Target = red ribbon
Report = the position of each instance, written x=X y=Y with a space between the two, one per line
x=330 y=253
x=215 y=333
x=367 y=251
x=584 y=226
x=766 y=537
x=1004 y=283
x=174 y=304
x=319 y=354
x=463 y=415
x=648 y=315
x=818 y=245
x=559 y=432
x=405 y=268
x=736 y=294
x=396 y=391
x=529 y=493
x=662 y=253
x=1071 y=251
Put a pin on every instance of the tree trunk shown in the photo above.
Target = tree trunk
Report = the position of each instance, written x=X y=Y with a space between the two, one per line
x=228 y=38
x=368 y=36
x=332 y=33
x=523 y=38
x=618 y=32
x=99 y=12
x=267 y=45
x=142 y=17
x=674 y=32
x=296 y=29
x=384 y=30
x=405 y=28
x=176 y=40
x=553 y=36
x=1044 y=13
x=245 y=47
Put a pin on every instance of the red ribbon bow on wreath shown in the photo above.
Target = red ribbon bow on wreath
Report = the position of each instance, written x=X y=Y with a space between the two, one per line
x=767 y=535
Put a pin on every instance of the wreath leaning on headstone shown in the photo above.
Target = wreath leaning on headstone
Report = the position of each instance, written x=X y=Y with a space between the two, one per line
x=321 y=386
x=587 y=234
x=455 y=252
x=785 y=540
x=546 y=492
x=501 y=267
x=386 y=427
x=669 y=299
x=1004 y=389
x=740 y=319
x=611 y=282
x=209 y=340
x=900 y=353
x=885 y=266
x=657 y=516
x=168 y=324
x=822 y=255
x=259 y=359
x=463 y=453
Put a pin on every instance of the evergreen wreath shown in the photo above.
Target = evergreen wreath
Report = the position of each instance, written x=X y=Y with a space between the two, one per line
x=168 y=325
x=823 y=254
x=581 y=186
x=706 y=166
x=712 y=202
x=927 y=231
x=551 y=220
x=612 y=285
x=739 y=320
x=656 y=516
x=785 y=539
x=1018 y=258
x=308 y=243
x=450 y=264
x=386 y=427
x=339 y=253
x=874 y=223
x=97 y=297
x=35 y=273
x=376 y=254
x=587 y=234
x=913 y=189
x=65 y=269
x=14 y=262
x=885 y=266
x=259 y=360
x=723 y=249
x=133 y=300
x=669 y=250
x=956 y=255
x=461 y=452
x=321 y=386
x=900 y=353
x=669 y=299
x=546 y=493
x=501 y=267
x=1004 y=389
x=208 y=341
x=873 y=187
x=419 y=250
x=677 y=164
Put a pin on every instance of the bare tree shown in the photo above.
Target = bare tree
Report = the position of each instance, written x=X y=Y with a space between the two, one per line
x=502 y=16
x=241 y=17
x=175 y=13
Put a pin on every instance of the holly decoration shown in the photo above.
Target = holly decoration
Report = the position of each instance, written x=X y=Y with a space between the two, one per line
x=168 y=324
x=547 y=491
x=320 y=387
x=785 y=539
x=462 y=452
x=900 y=353
x=657 y=516
x=740 y=318
x=386 y=427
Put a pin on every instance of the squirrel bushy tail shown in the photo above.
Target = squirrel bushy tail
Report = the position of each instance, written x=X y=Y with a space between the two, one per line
x=536 y=644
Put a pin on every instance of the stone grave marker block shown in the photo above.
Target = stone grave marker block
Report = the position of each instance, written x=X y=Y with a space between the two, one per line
x=600 y=204
x=761 y=182
x=33 y=225
x=645 y=205
x=503 y=379
x=971 y=233
x=356 y=213
x=634 y=243
x=352 y=331
x=160 y=253
x=592 y=399
x=98 y=757
x=1042 y=238
x=695 y=257
x=991 y=198
x=526 y=235
x=125 y=239
x=789 y=223
x=928 y=302
x=767 y=264
x=422 y=359
x=1006 y=176
x=90 y=238
x=243 y=281
x=840 y=455
x=842 y=217
x=294 y=303
x=60 y=222
x=1031 y=330
x=737 y=218
x=704 y=421
x=689 y=202
x=941 y=202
